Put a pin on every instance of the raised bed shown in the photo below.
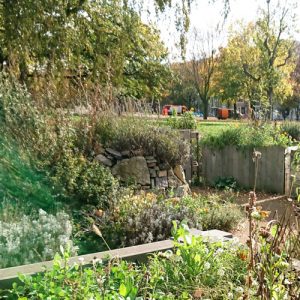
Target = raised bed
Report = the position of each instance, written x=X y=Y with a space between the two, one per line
x=135 y=253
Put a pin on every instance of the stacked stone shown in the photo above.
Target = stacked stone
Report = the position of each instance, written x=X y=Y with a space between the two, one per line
x=145 y=171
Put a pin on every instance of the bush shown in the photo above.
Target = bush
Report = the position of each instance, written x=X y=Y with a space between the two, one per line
x=139 y=219
x=187 y=121
x=213 y=212
x=225 y=183
x=145 y=218
x=292 y=129
x=133 y=134
x=84 y=181
x=26 y=239
x=247 y=136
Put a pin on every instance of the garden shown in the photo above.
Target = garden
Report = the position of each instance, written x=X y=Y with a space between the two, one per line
x=89 y=167
x=58 y=202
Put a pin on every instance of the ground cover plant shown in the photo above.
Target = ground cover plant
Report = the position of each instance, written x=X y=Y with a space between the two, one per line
x=193 y=269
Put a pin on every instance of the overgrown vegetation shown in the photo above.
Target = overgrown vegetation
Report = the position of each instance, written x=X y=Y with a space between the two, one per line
x=136 y=135
x=250 y=136
x=187 y=121
x=292 y=129
x=145 y=218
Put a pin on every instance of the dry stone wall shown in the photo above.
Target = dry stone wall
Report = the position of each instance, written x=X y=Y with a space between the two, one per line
x=146 y=171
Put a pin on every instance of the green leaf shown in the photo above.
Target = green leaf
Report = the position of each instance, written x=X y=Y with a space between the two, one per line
x=123 y=290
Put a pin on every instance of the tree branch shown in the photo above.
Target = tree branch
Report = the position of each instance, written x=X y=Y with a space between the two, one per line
x=290 y=52
x=246 y=71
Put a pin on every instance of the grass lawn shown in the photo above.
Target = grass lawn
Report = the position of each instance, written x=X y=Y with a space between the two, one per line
x=214 y=127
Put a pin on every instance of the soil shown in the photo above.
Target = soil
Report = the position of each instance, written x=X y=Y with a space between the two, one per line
x=240 y=197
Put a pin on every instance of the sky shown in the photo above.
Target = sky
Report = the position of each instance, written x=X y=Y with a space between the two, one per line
x=205 y=17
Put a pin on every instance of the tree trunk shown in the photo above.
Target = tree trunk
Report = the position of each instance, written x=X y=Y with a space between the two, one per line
x=234 y=110
x=205 y=109
x=270 y=98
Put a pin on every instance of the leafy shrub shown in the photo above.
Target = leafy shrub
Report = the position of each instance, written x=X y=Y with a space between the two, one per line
x=292 y=129
x=213 y=212
x=139 y=219
x=223 y=183
x=198 y=270
x=26 y=239
x=145 y=218
x=247 y=136
x=84 y=181
x=131 y=134
x=193 y=269
x=187 y=121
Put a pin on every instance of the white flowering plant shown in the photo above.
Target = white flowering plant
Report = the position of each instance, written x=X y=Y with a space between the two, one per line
x=31 y=238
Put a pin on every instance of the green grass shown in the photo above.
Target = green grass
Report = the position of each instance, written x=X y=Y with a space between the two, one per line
x=20 y=181
x=215 y=127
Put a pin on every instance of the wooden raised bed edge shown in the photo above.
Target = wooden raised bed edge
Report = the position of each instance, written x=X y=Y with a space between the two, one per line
x=135 y=253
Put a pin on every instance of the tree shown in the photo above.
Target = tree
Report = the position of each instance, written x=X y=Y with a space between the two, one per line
x=231 y=83
x=202 y=68
x=275 y=52
x=258 y=60
x=182 y=88
x=81 y=43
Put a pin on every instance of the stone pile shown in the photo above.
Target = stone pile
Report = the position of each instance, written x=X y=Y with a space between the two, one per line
x=146 y=171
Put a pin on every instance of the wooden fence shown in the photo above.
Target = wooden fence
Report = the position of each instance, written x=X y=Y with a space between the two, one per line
x=238 y=163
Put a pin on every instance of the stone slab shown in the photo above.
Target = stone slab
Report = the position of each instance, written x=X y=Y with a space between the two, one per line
x=114 y=153
x=104 y=160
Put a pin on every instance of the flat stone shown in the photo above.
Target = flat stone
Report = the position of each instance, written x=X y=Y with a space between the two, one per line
x=104 y=160
x=125 y=154
x=162 y=182
x=114 y=153
x=149 y=157
x=179 y=173
x=150 y=161
x=162 y=173
x=217 y=233
x=132 y=168
x=146 y=187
